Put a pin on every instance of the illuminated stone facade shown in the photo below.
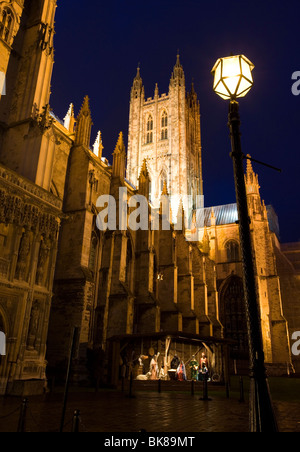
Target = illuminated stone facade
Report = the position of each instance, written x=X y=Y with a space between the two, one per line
x=221 y=235
x=31 y=212
x=10 y=17
x=165 y=131
x=58 y=271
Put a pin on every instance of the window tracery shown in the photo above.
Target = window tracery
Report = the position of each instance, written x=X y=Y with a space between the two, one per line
x=149 y=130
x=164 y=126
x=6 y=24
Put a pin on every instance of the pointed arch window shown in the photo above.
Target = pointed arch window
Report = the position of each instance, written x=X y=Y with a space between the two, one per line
x=149 y=130
x=233 y=317
x=6 y=24
x=233 y=251
x=164 y=126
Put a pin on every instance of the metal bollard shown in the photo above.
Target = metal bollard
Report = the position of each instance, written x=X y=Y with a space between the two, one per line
x=22 y=418
x=205 y=390
x=75 y=424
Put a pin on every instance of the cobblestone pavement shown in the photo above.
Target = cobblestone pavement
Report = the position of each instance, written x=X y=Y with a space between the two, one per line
x=111 y=411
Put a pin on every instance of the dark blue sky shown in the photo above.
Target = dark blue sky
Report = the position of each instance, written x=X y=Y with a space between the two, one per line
x=99 y=45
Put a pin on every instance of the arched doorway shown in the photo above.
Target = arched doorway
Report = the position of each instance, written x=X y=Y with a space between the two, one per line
x=233 y=318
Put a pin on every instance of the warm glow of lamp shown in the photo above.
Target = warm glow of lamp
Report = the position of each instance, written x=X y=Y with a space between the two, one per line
x=233 y=76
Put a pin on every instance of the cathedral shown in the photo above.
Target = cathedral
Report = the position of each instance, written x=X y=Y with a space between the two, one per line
x=165 y=130
x=132 y=294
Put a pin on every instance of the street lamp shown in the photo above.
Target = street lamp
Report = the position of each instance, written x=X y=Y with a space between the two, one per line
x=233 y=79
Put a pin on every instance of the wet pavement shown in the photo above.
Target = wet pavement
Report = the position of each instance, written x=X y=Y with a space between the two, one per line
x=173 y=410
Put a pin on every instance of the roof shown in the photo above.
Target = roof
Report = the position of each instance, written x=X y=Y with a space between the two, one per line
x=175 y=335
x=226 y=214
x=56 y=118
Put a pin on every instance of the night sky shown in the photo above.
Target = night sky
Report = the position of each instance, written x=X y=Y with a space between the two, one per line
x=99 y=45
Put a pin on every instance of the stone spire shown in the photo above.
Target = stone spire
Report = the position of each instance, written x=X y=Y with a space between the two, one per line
x=213 y=217
x=165 y=204
x=98 y=146
x=69 y=120
x=192 y=98
x=84 y=124
x=252 y=182
x=144 y=181
x=138 y=73
x=249 y=165
x=253 y=189
x=180 y=226
x=137 y=87
x=177 y=77
x=119 y=159
x=205 y=245
x=165 y=189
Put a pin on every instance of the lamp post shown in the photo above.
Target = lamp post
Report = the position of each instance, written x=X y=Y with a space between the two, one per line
x=233 y=79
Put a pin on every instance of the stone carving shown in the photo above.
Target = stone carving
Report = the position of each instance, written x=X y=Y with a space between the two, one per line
x=24 y=250
x=43 y=261
x=45 y=38
x=205 y=244
x=13 y=210
x=24 y=185
x=44 y=119
x=33 y=326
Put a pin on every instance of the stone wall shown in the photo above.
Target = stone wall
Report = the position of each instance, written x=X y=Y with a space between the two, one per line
x=29 y=226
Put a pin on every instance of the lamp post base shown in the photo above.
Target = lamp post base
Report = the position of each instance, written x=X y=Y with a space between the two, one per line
x=262 y=417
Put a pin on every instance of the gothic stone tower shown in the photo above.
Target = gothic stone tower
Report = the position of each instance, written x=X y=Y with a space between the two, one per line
x=165 y=130
x=26 y=146
x=30 y=213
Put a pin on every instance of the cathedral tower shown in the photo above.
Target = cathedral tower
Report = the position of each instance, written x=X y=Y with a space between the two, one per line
x=165 y=131
x=26 y=140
